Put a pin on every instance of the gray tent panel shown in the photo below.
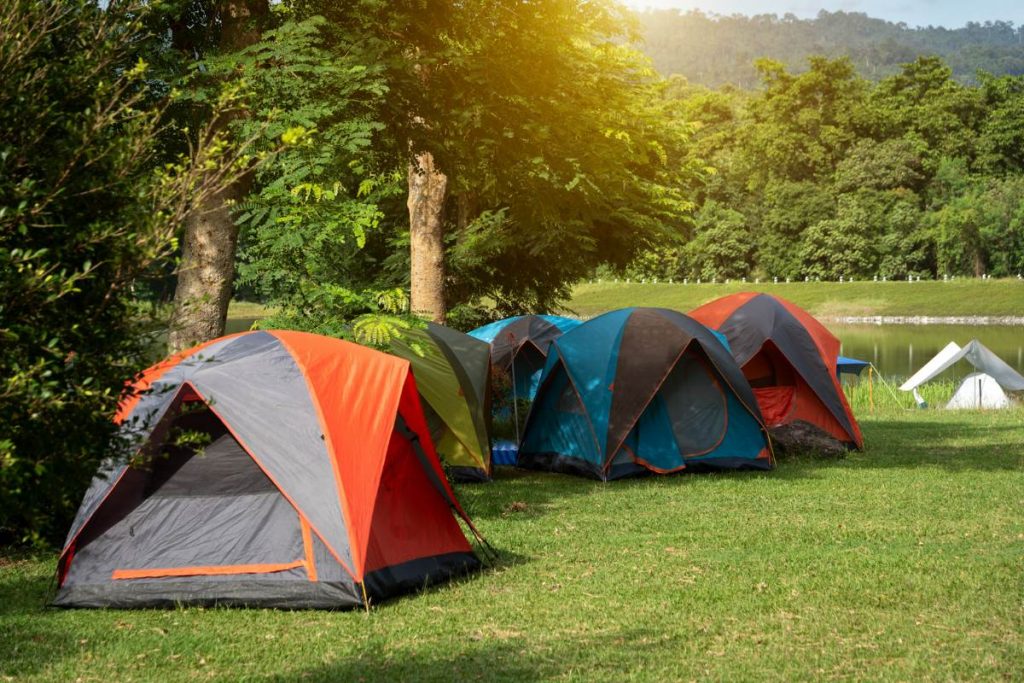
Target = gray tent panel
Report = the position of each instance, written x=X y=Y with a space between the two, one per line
x=254 y=385
x=256 y=395
x=149 y=410
x=176 y=532
x=992 y=365
x=194 y=511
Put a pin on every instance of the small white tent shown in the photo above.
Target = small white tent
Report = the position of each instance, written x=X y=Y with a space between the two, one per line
x=982 y=389
x=979 y=390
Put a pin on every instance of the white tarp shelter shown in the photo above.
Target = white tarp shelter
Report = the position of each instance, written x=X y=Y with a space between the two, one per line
x=983 y=389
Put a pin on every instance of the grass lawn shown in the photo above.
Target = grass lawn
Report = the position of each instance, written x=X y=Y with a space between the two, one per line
x=905 y=562
x=247 y=309
x=824 y=299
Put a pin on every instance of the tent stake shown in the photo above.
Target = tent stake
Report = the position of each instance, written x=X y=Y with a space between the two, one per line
x=366 y=600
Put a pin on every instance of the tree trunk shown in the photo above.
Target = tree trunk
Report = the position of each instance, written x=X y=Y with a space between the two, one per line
x=207 y=271
x=207 y=268
x=427 y=187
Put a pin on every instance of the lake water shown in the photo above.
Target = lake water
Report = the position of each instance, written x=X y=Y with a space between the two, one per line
x=900 y=350
x=896 y=350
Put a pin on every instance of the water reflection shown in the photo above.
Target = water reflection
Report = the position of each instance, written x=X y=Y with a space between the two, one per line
x=900 y=350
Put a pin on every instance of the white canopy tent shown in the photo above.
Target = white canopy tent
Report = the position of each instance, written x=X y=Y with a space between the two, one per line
x=983 y=389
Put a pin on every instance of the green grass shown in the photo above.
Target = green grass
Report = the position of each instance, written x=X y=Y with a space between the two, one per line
x=248 y=309
x=824 y=299
x=882 y=397
x=904 y=562
x=828 y=300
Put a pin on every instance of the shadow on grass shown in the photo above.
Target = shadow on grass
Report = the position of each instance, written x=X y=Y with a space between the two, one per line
x=35 y=637
x=518 y=494
x=497 y=655
x=955 y=446
x=958 y=445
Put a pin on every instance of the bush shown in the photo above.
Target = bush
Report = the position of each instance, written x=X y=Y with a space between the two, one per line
x=85 y=211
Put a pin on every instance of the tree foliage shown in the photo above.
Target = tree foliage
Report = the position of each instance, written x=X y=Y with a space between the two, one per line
x=86 y=213
x=829 y=175
x=555 y=136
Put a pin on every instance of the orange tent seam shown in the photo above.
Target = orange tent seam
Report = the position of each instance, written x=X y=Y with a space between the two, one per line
x=218 y=570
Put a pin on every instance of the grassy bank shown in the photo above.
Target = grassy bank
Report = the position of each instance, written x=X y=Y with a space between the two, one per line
x=247 y=309
x=823 y=299
x=900 y=563
x=828 y=300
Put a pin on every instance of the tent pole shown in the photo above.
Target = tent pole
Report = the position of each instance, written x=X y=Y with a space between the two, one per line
x=871 y=388
x=881 y=379
x=515 y=397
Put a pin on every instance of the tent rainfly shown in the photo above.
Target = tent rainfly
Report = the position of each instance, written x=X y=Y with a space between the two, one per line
x=640 y=391
x=519 y=346
x=982 y=389
x=790 y=360
x=453 y=376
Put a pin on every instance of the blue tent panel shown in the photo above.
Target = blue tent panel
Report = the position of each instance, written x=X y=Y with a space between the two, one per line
x=489 y=331
x=701 y=412
x=850 y=366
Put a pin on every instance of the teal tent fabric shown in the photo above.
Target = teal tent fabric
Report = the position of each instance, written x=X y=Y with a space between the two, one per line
x=642 y=390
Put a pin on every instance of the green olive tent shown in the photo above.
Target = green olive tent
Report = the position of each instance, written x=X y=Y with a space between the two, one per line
x=453 y=375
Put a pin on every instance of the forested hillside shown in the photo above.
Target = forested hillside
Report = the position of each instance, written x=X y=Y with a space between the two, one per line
x=825 y=174
x=715 y=50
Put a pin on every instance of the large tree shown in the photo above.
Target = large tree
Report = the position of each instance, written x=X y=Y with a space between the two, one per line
x=86 y=213
x=534 y=141
x=207 y=270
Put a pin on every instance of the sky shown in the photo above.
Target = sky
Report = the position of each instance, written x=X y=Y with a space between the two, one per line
x=948 y=13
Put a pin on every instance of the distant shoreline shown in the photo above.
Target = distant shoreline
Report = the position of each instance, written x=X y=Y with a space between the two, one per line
x=980 y=320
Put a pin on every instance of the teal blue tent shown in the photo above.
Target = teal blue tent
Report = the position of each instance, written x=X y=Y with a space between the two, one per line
x=519 y=346
x=639 y=391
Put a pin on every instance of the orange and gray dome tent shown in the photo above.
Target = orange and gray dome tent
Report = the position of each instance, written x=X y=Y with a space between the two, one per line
x=789 y=358
x=315 y=484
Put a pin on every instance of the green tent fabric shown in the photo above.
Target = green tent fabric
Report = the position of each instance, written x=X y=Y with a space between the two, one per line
x=453 y=374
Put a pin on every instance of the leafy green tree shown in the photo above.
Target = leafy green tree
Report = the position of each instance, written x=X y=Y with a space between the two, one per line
x=311 y=212
x=787 y=210
x=1001 y=138
x=722 y=246
x=526 y=130
x=881 y=165
x=923 y=104
x=85 y=216
x=979 y=230
x=207 y=270
x=803 y=125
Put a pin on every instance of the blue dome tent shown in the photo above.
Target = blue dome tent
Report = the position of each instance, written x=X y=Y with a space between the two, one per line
x=639 y=391
x=519 y=346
